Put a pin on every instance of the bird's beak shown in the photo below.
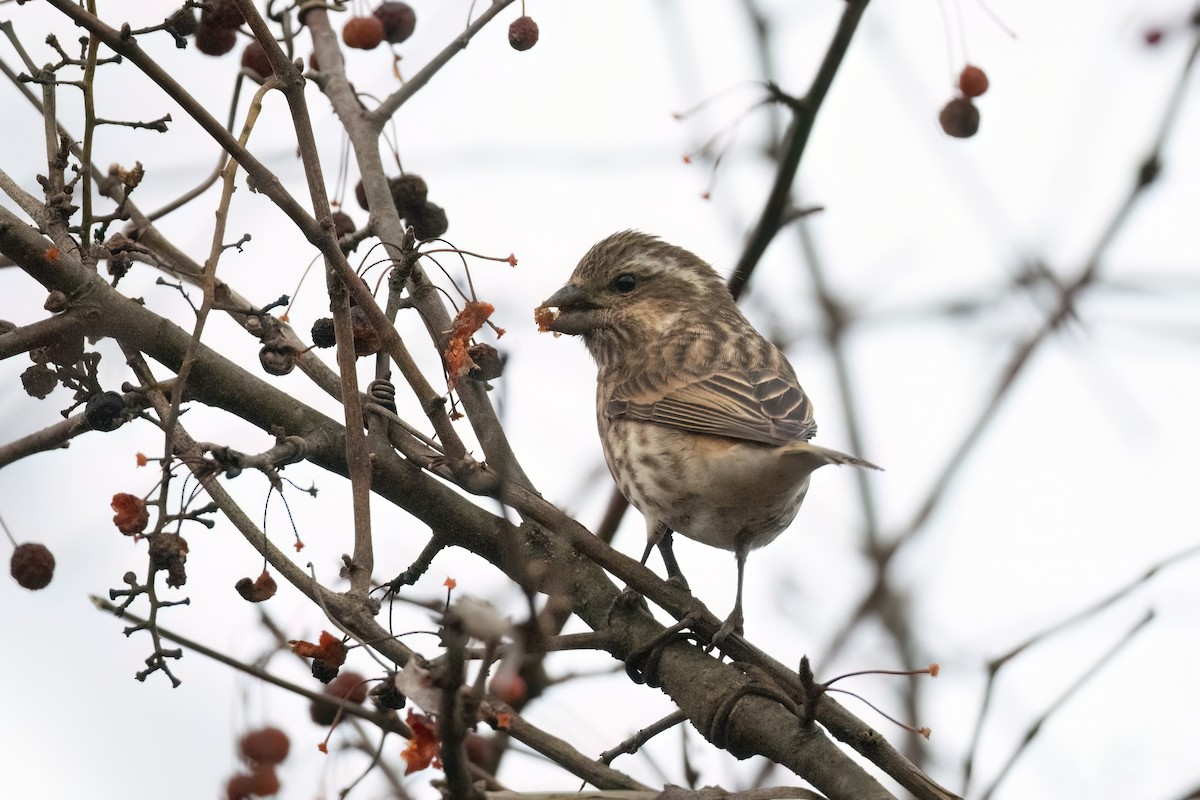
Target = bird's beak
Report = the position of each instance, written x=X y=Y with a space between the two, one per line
x=576 y=311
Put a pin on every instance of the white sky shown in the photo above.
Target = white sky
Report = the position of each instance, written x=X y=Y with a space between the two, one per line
x=1082 y=483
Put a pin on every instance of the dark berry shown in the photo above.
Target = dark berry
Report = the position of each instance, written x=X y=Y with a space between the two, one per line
x=399 y=20
x=105 y=411
x=39 y=381
x=366 y=338
x=360 y=194
x=959 y=118
x=214 y=41
x=183 y=22
x=489 y=363
x=409 y=193
x=323 y=671
x=322 y=333
x=430 y=222
x=386 y=695
x=221 y=14
x=363 y=33
x=343 y=225
x=32 y=565
x=254 y=58
x=522 y=33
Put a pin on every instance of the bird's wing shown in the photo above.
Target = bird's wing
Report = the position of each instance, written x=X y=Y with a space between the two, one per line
x=757 y=405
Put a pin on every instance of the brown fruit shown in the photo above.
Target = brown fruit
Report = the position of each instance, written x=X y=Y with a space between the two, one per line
x=348 y=685
x=399 y=20
x=409 y=193
x=363 y=33
x=343 y=225
x=32 y=565
x=221 y=14
x=214 y=41
x=959 y=118
x=265 y=746
x=254 y=58
x=522 y=33
x=430 y=222
x=972 y=81
x=183 y=22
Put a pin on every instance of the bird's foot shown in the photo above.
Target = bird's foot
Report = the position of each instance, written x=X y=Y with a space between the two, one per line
x=730 y=627
x=628 y=601
x=642 y=664
x=679 y=582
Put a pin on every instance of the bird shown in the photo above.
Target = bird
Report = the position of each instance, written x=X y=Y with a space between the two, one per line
x=702 y=421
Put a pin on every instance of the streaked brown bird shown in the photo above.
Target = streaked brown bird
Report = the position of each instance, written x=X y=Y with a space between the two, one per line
x=704 y=426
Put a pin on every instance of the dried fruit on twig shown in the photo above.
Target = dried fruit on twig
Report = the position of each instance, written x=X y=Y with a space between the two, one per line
x=168 y=552
x=105 y=411
x=214 y=41
x=132 y=516
x=39 y=381
x=343 y=225
x=32 y=565
x=522 y=33
x=399 y=21
x=409 y=193
x=256 y=591
x=466 y=323
x=363 y=33
x=429 y=222
x=265 y=746
x=221 y=14
x=254 y=58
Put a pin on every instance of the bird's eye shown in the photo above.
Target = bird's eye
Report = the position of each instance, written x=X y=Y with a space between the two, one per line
x=624 y=283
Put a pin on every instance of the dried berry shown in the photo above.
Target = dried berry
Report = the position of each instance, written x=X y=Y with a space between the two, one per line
x=430 y=222
x=399 y=20
x=959 y=118
x=32 y=565
x=387 y=695
x=322 y=671
x=322 y=332
x=221 y=14
x=105 y=411
x=277 y=357
x=343 y=225
x=254 y=58
x=264 y=782
x=360 y=194
x=522 y=33
x=489 y=364
x=214 y=41
x=265 y=746
x=132 y=516
x=409 y=193
x=169 y=552
x=239 y=787
x=366 y=338
x=363 y=33
x=183 y=22
x=39 y=381
x=972 y=81
x=258 y=590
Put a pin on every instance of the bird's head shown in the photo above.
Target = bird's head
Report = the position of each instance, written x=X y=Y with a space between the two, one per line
x=630 y=290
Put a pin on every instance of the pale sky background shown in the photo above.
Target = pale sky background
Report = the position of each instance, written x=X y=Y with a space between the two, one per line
x=1084 y=481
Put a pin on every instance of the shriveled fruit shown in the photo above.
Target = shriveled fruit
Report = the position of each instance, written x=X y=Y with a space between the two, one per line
x=522 y=33
x=254 y=58
x=32 y=566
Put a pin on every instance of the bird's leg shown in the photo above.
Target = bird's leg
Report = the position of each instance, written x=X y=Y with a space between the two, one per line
x=732 y=625
x=675 y=575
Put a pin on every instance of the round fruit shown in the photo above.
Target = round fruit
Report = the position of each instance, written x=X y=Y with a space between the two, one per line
x=343 y=225
x=214 y=41
x=363 y=33
x=522 y=33
x=430 y=222
x=254 y=58
x=399 y=20
x=409 y=193
x=959 y=118
x=972 y=82
x=32 y=565
x=221 y=14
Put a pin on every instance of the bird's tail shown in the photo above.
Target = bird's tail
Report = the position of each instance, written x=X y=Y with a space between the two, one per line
x=813 y=456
